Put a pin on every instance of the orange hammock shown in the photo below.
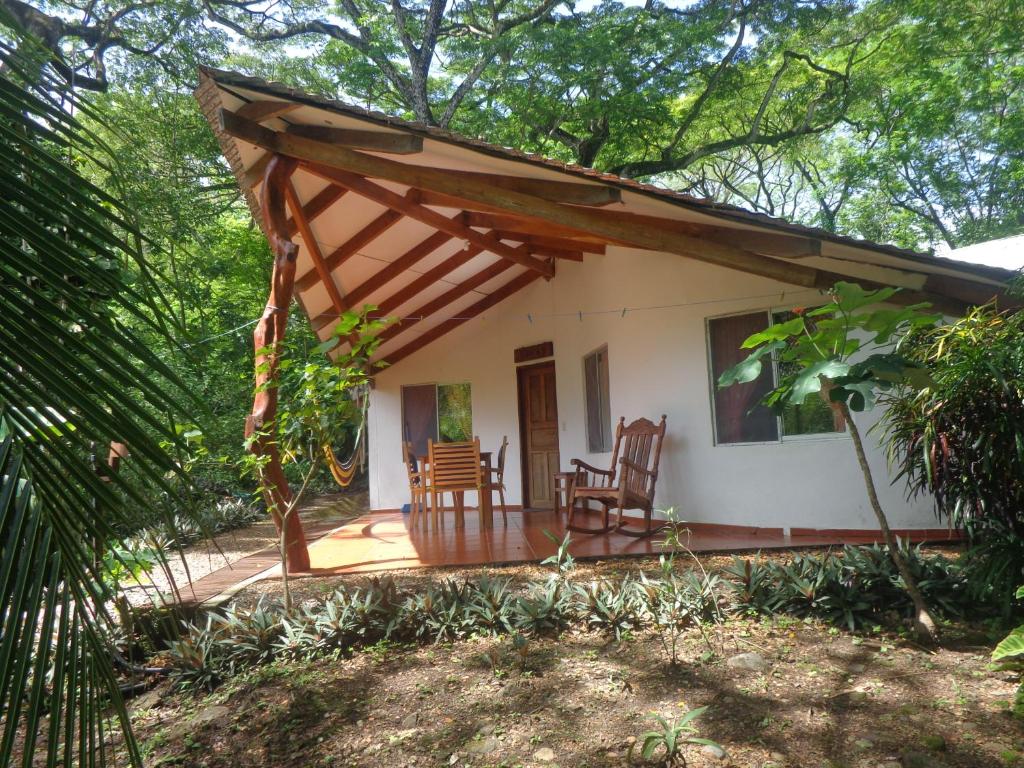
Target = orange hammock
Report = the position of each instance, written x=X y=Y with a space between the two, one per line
x=344 y=472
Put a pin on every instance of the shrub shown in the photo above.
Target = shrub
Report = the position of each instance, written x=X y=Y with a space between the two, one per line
x=608 y=606
x=490 y=608
x=854 y=590
x=546 y=609
x=959 y=439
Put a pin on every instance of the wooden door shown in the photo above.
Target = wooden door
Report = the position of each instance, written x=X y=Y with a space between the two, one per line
x=538 y=428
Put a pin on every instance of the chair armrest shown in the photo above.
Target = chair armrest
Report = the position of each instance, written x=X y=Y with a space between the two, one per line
x=637 y=468
x=579 y=464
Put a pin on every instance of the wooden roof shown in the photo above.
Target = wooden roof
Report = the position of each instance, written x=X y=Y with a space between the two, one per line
x=435 y=229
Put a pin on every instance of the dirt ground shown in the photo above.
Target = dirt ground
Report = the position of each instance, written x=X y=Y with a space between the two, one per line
x=800 y=694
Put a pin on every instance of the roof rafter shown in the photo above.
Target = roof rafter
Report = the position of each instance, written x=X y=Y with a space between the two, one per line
x=261 y=111
x=321 y=201
x=454 y=293
x=313 y=248
x=350 y=247
x=388 y=273
x=375 y=141
x=427 y=279
x=409 y=207
x=439 y=330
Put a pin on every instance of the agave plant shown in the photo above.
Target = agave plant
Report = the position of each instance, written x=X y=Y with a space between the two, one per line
x=73 y=379
x=610 y=606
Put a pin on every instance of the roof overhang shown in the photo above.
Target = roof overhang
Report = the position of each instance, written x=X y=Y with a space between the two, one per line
x=435 y=229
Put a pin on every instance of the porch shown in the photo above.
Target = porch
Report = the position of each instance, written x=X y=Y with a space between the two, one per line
x=386 y=541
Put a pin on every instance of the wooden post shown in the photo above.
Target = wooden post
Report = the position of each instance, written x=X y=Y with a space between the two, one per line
x=267 y=337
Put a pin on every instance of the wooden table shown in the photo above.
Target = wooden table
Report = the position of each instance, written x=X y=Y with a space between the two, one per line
x=486 y=508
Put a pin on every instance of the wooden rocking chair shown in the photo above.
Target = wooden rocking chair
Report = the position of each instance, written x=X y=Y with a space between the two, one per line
x=636 y=454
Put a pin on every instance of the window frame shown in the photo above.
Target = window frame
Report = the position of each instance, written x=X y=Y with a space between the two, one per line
x=770 y=312
x=437 y=404
x=604 y=405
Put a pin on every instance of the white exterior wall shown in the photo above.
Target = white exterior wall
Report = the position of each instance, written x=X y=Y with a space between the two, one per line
x=658 y=363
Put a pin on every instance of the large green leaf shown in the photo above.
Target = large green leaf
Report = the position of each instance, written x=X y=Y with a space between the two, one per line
x=808 y=381
x=1010 y=646
x=749 y=368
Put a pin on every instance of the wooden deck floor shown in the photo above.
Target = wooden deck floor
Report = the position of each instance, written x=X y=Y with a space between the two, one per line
x=386 y=541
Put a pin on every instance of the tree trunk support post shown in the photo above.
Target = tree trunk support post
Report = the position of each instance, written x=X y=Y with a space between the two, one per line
x=267 y=337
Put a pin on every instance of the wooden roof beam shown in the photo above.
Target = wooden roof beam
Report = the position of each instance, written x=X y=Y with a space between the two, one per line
x=658 y=238
x=504 y=222
x=374 y=141
x=321 y=201
x=427 y=279
x=554 y=243
x=261 y=111
x=439 y=330
x=350 y=247
x=313 y=248
x=388 y=273
x=408 y=206
x=454 y=293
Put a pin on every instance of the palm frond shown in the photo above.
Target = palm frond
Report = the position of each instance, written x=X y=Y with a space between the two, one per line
x=73 y=379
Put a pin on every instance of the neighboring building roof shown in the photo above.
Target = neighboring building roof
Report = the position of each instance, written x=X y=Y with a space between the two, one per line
x=1004 y=253
x=365 y=238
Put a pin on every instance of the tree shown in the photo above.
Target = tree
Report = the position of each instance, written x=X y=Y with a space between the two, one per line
x=320 y=404
x=81 y=39
x=71 y=380
x=845 y=354
x=405 y=43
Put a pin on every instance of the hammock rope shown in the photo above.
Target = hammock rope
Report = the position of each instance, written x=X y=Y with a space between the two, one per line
x=344 y=472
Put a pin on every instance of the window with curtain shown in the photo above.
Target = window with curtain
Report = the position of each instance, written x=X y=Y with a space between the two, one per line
x=439 y=412
x=595 y=393
x=739 y=415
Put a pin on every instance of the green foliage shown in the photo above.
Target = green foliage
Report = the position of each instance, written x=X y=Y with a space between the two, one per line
x=1010 y=654
x=546 y=608
x=671 y=737
x=74 y=377
x=614 y=607
x=959 y=439
x=675 y=603
x=454 y=412
x=836 y=350
x=562 y=560
x=856 y=589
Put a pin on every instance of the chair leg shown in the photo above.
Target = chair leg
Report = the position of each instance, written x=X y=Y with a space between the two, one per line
x=501 y=498
x=570 y=525
x=649 y=528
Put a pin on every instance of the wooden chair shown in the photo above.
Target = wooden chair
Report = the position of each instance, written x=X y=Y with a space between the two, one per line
x=496 y=482
x=635 y=465
x=417 y=483
x=454 y=468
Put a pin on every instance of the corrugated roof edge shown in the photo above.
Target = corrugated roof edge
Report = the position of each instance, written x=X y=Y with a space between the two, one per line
x=227 y=78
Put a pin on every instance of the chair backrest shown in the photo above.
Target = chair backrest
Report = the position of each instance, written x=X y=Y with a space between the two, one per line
x=639 y=444
x=501 y=459
x=455 y=466
x=412 y=467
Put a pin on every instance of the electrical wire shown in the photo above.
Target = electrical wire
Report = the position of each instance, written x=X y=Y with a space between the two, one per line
x=531 y=316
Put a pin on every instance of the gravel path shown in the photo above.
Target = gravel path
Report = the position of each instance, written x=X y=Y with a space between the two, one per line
x=205 y=557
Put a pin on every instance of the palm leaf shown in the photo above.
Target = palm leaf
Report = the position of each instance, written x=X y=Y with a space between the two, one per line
x=73 y=378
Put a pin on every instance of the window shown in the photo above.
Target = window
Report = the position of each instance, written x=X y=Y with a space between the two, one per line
x=812 y=416
x=439 y=412
x=595 y=392
x=739 y=415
